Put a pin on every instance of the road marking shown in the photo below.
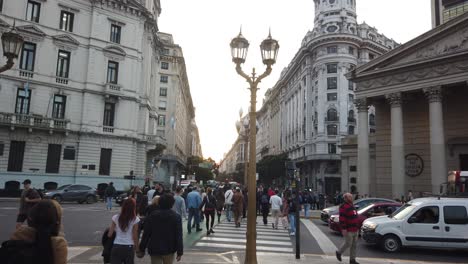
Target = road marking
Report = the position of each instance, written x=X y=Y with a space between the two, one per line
x=237 y=231
x=265 y=242
x=323 y=241
x=76 y=251
x=231 y=246
x=235 y=235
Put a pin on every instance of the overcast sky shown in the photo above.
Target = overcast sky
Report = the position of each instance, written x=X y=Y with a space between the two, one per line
x=204 y=29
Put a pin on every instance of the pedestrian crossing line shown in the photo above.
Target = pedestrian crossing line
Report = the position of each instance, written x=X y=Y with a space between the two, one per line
x=243 y=236
x=237 y=231
x=280 y=228
x=234 y=246
x=263 y=232
x=76 y=251
x=263 y=242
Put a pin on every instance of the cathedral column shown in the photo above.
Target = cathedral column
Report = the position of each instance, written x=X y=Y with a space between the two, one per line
x=363 y=147
x=398 y=149
x=438 y=156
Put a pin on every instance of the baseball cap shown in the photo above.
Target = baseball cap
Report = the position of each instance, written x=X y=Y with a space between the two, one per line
x=27 y=181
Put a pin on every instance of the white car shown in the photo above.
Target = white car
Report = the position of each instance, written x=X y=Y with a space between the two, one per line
x=425 y=222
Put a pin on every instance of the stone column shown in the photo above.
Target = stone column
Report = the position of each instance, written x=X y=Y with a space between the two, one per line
x=398 y=149
x=438 y=156
x=363 y=146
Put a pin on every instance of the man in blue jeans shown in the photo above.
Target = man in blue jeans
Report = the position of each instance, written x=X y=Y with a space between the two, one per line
x=109 y=193
x=228 y=203
x=193 y=204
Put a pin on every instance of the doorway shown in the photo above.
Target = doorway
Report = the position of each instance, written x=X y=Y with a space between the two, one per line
x=464 y=162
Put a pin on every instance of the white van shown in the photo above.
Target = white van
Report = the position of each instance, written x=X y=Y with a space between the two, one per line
x=424 y=222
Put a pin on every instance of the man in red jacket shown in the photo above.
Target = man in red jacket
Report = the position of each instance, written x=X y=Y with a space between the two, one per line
x=350 y=228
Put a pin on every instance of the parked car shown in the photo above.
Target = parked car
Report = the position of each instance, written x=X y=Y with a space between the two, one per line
x=372 y=210
x=425 y=222
x=119 y=199
x=360 y=203
x=73 y=193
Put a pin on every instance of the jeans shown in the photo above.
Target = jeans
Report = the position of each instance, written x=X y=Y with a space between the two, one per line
x=122 y=254
x=166 y=259
x=306 y=210
x=109 y=202
x=228 y=212
x=265 y=212
x=292 y=222
x=193 y=213
x=208 y=215
x=350 y=242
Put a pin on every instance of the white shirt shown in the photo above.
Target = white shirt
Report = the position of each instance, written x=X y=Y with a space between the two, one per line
x=228 y=197
x=121 y=237
x=150 y=195
x=276 y=202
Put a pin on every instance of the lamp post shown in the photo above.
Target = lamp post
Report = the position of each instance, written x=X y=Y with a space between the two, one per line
x=269 y=49
x=12 y=43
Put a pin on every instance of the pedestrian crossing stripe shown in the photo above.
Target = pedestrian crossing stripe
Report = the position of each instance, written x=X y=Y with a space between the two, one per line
x=259 y=237
x=231 y=246
x=264 y=242
x=263 y=232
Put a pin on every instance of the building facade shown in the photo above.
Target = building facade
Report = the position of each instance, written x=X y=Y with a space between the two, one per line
x=79 y=104
x=445 y=10
x=312 y=104
x=419 y=91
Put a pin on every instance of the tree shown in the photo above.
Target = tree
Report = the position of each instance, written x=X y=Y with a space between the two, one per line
x=271 y=168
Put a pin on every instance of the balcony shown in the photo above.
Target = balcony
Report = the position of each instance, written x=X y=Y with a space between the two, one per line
x=14 y=120
x=26 y=74
x=113 y=88
x=153 y=139
x=61 y=80
x=108 y=129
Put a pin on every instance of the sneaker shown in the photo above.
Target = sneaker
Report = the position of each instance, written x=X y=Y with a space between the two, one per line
x=292 y=234
x=199 y=230
x=211 y=231
x=353 y=262
x=338 y=256
x=208 y=233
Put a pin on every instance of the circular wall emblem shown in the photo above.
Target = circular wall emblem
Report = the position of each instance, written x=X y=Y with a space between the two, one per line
x=414 y=165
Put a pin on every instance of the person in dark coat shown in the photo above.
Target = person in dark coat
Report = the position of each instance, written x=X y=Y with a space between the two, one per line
x=107 y=243
x=109 y=193
x=163 y=236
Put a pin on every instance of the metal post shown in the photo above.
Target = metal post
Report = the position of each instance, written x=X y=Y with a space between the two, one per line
x=298 y=222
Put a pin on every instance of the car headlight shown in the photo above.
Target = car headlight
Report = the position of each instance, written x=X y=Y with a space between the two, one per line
x=335 y=219
x=369 y=226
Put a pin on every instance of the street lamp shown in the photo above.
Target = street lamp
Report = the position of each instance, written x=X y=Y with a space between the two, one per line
x=269 y=49
x=12 y=43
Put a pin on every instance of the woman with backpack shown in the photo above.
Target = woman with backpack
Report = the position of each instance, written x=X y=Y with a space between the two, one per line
x=43 y=235
x=265 y=206
x=125 y=226
x=209 y=203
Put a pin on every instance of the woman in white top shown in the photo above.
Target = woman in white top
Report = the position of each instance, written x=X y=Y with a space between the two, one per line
x=125 y=226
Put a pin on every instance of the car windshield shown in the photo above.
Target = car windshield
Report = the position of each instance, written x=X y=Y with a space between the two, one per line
x=63 y=187
x=402 y=212
x=365 y=209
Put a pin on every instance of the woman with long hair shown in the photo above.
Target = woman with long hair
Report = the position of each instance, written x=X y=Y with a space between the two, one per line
x=44 y=231
x=125 y=226
x=209 y=205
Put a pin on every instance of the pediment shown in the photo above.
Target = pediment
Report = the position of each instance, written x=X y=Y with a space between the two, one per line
x=32 y=30
x=447 y=40
x=66 y=39
x=114 y=52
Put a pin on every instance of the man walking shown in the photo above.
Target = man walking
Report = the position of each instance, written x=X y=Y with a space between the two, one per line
x=109 y=193
x=350 y=227
x=29 y=197
x=238 y=201
x=193 y=203
x=265 y=205
x=276 y=203
x=179 y=205
x=228 y=203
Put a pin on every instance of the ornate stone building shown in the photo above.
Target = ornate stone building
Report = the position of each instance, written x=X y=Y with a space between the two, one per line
x=445 y=10
x=419 y=91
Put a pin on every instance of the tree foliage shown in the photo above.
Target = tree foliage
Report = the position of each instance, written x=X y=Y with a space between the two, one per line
x=271 y=168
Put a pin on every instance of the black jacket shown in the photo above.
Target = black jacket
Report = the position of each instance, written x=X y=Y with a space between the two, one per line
x=107 y=243
x=163 y=234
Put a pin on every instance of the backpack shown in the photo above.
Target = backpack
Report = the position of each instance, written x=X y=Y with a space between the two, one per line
x=210 y=202
x=17 y=252
x=264 y=199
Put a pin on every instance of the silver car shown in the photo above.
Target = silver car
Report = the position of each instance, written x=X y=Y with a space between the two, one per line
x=73 y=193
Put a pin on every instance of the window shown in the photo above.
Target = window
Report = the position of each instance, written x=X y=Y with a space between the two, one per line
x=1 y=5
x=332 y=97
x=332 y=148
x=58 y=110
x=112 y=72
x=63 y=64
x=350 y=86
x=351 y=116
x=2 y=147
x=162 y=105
x=115 y=33
x=332 y=130
x=53 y=158
x=164 y=65
x=162 y=120
x=372 y=131
x=332 y=83
x=164 y=79
x=33 y=11
x=109 y=112
x=28 y=56
x=16 y=156
x=105 y=161
x=372 y=119
x=455 y=215
x=371 y=56
x=69 y=153
x=332 y=68
x=163 y=91
x=66 y=21
x=165 y=51
x=351 y=98
x=426 y=215
x=353 y=169
x=332 y=49
x=332 y=115
x=350 y=130
x=351 y=50
x=23 y=101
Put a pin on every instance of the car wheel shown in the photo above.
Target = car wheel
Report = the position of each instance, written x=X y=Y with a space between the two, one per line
x=391 y=244
x=57 y=198
x=90 y=199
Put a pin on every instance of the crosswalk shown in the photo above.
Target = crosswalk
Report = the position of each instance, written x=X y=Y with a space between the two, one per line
x=229 y=238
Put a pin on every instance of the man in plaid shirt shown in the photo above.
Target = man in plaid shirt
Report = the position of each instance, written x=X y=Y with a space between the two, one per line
x=350 y=228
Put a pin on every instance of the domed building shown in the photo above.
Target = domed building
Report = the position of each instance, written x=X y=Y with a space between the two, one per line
x=316 y=101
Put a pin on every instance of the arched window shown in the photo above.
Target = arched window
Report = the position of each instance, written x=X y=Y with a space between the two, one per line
x=332 y=115
x=332 y=130
x=372 y=119
x=351 y=130
x=351 y=117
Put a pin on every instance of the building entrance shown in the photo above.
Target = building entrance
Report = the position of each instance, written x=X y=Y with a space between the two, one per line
x=464 y=162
